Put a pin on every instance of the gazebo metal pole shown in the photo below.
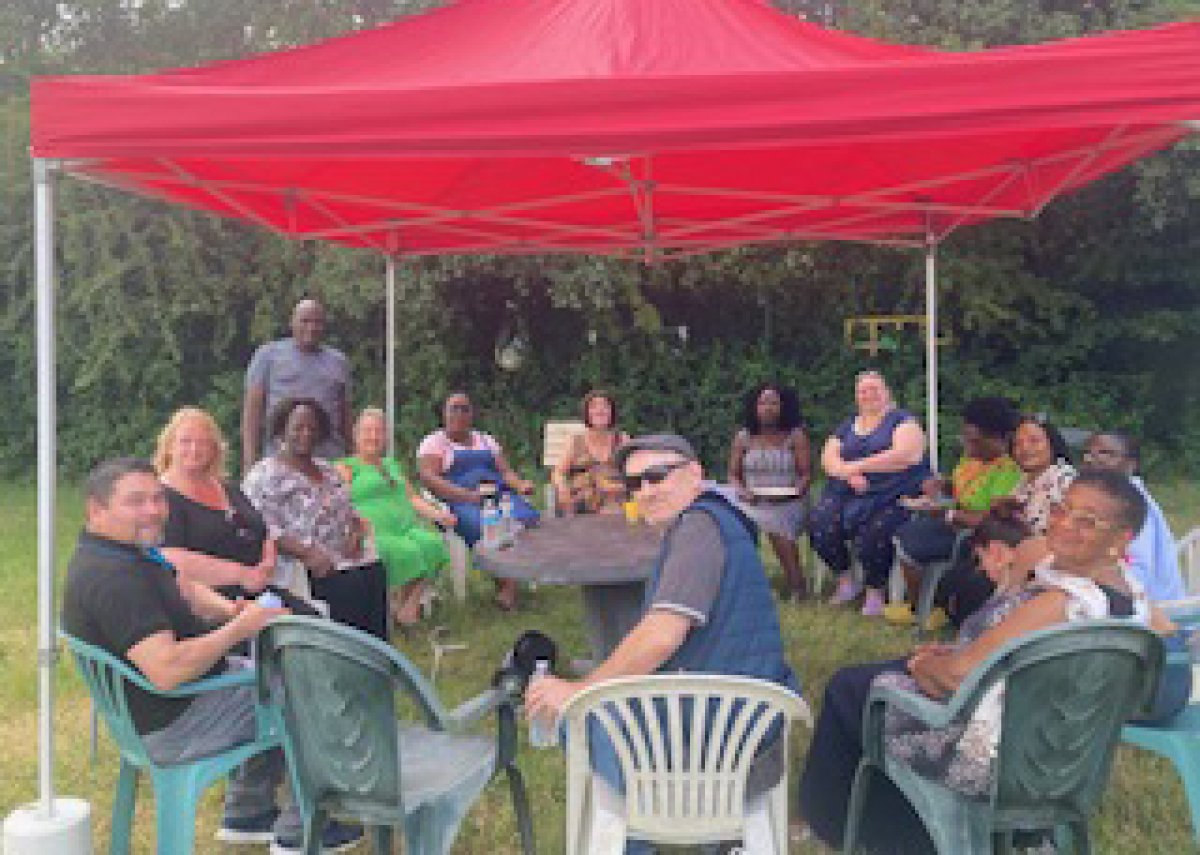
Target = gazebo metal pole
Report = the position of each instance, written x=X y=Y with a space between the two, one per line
x=931 y=334
x=43 y=206
x=390 y=357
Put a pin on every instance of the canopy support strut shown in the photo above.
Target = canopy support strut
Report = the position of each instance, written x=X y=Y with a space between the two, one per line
x=43 y=206
x=50 y=824
x=931 y=335
x=390 y=352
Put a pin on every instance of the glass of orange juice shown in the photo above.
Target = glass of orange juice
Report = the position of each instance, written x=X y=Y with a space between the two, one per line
x=633 y=514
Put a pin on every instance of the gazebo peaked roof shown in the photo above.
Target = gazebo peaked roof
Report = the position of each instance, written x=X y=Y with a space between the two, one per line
x=663 y=127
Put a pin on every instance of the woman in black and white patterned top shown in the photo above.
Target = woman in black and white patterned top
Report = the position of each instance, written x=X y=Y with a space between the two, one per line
x=1082 y=578
x=1040 y=451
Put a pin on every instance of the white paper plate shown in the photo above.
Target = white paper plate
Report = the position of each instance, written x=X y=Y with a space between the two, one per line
x=924 y=503
x=775 y=492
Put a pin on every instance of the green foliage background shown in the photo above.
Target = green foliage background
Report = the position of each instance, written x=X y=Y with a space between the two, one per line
x=1090 y=313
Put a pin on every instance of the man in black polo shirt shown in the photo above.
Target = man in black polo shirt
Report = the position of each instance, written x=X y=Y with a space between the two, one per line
x=124 y=597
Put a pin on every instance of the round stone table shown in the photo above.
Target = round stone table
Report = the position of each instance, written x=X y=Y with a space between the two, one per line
x=603 y=554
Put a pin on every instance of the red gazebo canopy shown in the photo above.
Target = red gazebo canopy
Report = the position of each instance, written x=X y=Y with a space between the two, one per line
x=662 y=127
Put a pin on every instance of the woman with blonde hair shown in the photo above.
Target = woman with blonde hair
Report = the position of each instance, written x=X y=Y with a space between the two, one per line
x=213 y=534
x=383 y=495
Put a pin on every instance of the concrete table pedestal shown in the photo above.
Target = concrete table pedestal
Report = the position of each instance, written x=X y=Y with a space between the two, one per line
x=607 y=557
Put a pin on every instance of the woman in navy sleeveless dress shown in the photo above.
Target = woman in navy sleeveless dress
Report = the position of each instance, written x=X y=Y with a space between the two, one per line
x=872 y=460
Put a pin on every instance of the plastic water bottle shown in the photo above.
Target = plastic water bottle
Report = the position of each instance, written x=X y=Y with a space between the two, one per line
x=490 y=524
x=269 y=600
x=508 y=523
x=541 y=732
x=1191 y=640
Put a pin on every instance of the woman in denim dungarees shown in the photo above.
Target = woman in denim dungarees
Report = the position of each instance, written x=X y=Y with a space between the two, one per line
x=455 y=460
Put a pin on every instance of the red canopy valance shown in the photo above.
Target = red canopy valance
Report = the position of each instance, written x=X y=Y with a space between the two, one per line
x=661 y=126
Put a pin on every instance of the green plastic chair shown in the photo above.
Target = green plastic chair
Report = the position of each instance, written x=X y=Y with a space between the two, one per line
x=177 y=788
x=1177 y=740
x=934 y=572
x=333 y=690
x=1068 y=691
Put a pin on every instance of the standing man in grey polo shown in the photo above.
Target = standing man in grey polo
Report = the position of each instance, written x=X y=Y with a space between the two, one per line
x=297 y=367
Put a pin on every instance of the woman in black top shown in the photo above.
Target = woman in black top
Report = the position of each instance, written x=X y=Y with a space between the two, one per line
x=213 y=534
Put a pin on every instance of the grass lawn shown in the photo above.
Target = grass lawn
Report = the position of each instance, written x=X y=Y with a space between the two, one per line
x=1143 y=813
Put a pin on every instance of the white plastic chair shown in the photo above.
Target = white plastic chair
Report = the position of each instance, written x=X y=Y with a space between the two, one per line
x=459 y=552
x=821 y=575
x=1189 y=560
x=556 y=439
x=702 y=799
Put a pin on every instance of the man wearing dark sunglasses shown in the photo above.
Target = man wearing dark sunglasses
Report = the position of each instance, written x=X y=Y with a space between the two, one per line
x=709 y=608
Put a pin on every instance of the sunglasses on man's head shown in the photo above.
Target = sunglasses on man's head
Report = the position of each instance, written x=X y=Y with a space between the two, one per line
x=651 y=475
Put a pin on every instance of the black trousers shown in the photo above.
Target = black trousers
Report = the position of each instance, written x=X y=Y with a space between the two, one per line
x=357 y=597
x=891 y=824
x=964 y=589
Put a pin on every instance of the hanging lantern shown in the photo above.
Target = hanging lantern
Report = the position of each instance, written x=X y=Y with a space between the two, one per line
x=512 y=343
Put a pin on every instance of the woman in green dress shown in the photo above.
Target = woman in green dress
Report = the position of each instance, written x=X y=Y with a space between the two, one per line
x=411 y=552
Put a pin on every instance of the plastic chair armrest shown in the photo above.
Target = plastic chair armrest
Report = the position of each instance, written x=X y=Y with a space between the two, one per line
x=930 y=712
x=474 y=709
x=243 y=677
x=501 y=702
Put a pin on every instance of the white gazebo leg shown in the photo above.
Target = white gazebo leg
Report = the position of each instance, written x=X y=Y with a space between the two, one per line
x=50 y=826
x=931 y=334
x=390 y=353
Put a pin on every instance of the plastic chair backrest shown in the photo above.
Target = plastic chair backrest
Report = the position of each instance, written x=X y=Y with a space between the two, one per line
x=105 y=676
x=681 y=784
x=339 y=710
x=1068 y=691
x=557 y=436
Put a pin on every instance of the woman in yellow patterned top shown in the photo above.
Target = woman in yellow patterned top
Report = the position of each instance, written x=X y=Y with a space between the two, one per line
x=585 y=479
x=985 y=473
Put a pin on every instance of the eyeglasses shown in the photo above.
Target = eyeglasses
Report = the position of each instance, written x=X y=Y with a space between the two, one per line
x=1103 y=454
x=458 y=408
x=1082 y=521
x=651 y=475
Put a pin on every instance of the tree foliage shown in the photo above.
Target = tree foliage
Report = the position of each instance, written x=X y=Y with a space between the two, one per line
x=1088 y=313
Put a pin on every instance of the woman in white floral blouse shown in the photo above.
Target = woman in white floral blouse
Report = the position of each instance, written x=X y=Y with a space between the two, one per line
x=303 y=500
